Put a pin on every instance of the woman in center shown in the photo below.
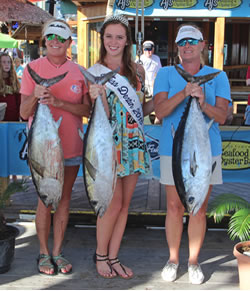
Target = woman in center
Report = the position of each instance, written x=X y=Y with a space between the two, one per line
x=132 y=155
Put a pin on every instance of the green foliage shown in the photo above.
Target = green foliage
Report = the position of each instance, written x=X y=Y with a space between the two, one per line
x=238 y=208
x=16 y=186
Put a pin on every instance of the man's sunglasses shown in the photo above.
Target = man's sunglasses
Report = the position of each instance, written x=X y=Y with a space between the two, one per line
x=53 y=36
x=190 y=41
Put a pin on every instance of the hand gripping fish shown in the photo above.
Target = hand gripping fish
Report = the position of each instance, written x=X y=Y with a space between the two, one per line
x=191 y=154
x=99 y=154
x=45 y=153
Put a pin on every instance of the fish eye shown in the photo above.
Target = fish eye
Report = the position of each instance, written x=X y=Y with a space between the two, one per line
x=191 y=200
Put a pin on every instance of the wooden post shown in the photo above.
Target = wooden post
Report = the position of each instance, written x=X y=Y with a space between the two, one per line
x=81 y=45
x=80 y=39
x=219 y=36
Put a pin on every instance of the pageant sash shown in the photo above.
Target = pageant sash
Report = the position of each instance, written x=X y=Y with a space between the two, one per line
x=124 y=91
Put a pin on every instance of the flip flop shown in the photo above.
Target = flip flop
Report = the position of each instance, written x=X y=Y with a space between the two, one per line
x=117 y=261
x=103 y=258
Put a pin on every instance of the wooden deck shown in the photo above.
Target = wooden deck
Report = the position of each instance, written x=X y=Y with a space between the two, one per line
x=149 y=199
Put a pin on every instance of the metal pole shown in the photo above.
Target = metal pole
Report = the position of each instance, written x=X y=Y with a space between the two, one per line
x=139 y=35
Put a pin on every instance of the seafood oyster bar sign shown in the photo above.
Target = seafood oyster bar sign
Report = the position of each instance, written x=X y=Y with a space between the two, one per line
x=209 y=8
x=236 y=155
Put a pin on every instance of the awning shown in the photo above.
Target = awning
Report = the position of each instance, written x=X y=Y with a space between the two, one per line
x=7 y=42
x=185 y=8
x=28 y=32
x=22 y=11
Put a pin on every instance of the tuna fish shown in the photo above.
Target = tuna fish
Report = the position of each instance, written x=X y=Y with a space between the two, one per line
x=45 y=153
x=99 y=154
x=191 y=155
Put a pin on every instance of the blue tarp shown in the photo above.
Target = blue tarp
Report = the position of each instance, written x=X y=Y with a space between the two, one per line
x=235 y=157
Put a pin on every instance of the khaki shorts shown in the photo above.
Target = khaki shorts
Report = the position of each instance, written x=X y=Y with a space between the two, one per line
x=167 y=175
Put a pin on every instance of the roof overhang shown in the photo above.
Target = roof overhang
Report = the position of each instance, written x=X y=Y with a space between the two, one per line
x=28 y=32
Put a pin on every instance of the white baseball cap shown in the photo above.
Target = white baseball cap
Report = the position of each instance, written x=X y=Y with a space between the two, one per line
x=188 y=31
x=58 y=28
x=148 y=44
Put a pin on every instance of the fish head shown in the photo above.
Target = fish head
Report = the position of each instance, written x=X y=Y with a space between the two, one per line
x=99 y=208
x=193 y=205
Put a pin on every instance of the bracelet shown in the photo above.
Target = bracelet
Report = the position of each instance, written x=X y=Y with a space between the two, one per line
x=204 y=107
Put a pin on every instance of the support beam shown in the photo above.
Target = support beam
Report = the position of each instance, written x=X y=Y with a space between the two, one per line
x=219 y=36
x=81 y=39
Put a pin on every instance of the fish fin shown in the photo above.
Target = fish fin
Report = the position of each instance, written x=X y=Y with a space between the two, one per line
x=45 y=82
x=193 y=165
x=98 y=79
x=91 y=169
x=104 y=79
x=185 y=75
x=34 y=75
x=210 y=123
x=203 y=79
x=37 y=167
x=91 y=78
x=172 y=130
x=81 y=134
x=213 y=166
x=54 y=80
x=199 y=79
x=58 y=122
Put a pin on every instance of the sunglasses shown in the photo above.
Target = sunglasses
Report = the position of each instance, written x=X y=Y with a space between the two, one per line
x=53 y=36
x=190 y=41
x=148 y=49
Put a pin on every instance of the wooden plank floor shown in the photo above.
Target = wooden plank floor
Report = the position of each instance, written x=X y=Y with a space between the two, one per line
x=149 y=197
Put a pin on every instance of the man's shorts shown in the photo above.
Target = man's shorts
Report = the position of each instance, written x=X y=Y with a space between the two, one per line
x=167 y=175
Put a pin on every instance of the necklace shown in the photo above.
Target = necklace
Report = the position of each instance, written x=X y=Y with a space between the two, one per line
x=55 y=65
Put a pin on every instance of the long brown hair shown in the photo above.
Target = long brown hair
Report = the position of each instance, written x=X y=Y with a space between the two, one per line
x=14 y=85
x=129 y=67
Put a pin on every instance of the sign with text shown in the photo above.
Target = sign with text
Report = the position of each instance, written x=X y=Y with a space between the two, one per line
x=235 y=146
x=185 y=8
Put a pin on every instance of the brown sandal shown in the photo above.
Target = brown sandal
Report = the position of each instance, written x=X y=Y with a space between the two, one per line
x=104 y=258
x=117 y=261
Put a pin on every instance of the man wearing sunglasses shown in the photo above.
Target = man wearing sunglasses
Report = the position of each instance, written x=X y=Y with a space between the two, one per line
x=67 y=98
x=151 y=64
x=172 y=92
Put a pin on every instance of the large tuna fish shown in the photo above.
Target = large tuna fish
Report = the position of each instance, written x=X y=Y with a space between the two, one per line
x=45 y=153
x=99 y=155
x=191 y=155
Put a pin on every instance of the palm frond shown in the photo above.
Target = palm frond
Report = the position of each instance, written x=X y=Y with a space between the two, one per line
x=239 y=225
x=226 y=203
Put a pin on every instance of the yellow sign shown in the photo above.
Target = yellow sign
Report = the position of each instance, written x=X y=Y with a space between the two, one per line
x=235 y=155
x=184 y=3
x=147 y=3
x=228 y=4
